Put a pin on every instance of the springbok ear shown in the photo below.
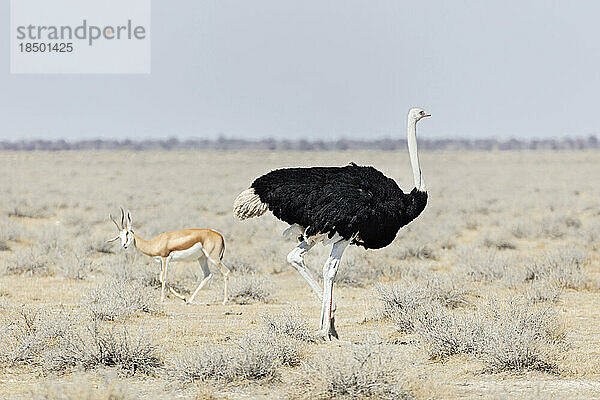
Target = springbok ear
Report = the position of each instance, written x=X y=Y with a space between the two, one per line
x=113 y=239
x=128 y=220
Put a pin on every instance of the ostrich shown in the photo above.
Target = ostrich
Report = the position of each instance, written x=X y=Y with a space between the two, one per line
x=336 y=205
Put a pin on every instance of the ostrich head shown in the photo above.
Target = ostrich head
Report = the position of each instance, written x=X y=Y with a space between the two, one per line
x=415 y=114
x=125 y=230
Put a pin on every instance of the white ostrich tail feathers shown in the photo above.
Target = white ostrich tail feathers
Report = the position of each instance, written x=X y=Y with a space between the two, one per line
x=248 y=205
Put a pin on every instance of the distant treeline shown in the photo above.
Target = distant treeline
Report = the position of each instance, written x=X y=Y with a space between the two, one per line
x=223 y=143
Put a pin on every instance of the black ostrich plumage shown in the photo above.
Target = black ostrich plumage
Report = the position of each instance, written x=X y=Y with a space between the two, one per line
x=353 y=201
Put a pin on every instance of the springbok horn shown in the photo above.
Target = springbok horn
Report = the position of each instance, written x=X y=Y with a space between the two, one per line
x=113 y=239
x=115 y=222
x=122 y=218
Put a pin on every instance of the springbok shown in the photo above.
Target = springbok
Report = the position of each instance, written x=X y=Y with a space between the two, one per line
x=204 y=245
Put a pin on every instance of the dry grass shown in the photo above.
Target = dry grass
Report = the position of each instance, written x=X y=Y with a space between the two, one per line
x=57 y=341
x=249 y=288
x=491 y=292
x=503 y=334
x=563 y=267
x=252 y=357
x=97 y=346
x=118 y=299
x=83 y=389
x=402 y=300
x=366 y=371
x=28 y=333
x=24 y=211
x=291 y=324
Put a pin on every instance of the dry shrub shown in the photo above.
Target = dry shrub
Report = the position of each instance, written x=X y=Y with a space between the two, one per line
x=483 y=265
x=95 y=346
x=118 y=299
x=498 y=243
x=472 y=223
x=366 y=371
x=563 y=267
x=556 y=227
x=36 y=260
x=521 y=337
x=290 y=323
x=26 y=335
x=240 y=266
x=8 y=230
x=506 y=335
x=592 y=236
x=54 y=342
x=420 y=271
x=125 y=264
x=26 y=211
x=444 y=332
x=550 y=227
x=250 y=288
x=402 y=300
x=490 y=265
x=540 y=291
x=101 y=246
x=255 y=356
x=130 y=267
x=521 y=230
x=39 y=259
x=144 y=271
x=76 y=265
x=420 y=251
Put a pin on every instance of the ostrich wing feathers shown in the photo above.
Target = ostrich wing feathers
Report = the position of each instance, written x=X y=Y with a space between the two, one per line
x=353 y=201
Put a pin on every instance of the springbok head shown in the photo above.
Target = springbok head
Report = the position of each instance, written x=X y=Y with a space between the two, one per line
x=125 y=230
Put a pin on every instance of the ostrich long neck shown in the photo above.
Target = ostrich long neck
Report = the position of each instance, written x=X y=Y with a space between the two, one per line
x=414 y=156
x=145 y=246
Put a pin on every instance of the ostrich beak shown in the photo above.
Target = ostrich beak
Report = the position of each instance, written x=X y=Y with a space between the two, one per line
x=426 y=115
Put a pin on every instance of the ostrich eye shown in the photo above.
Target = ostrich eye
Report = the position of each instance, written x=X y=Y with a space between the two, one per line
x=422 y=112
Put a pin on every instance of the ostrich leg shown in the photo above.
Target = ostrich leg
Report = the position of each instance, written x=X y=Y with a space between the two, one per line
x=296 y=258
x=327 y=328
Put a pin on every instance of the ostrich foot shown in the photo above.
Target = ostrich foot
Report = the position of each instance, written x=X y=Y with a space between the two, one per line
x=332 y=331
x=329 y=334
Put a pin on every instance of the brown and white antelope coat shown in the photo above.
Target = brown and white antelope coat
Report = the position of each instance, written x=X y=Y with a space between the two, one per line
x=204 y=245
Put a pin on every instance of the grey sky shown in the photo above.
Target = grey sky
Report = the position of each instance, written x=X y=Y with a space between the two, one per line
x=329 y=69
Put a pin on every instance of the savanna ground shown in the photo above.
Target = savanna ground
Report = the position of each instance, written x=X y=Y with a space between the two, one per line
x=493 y=292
